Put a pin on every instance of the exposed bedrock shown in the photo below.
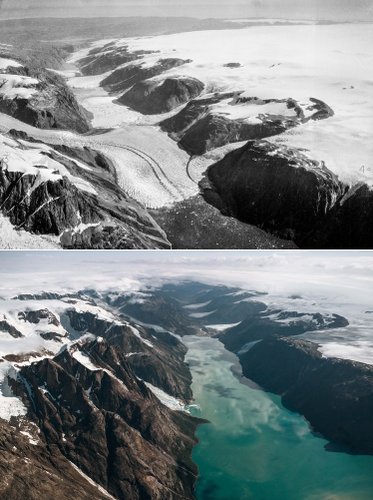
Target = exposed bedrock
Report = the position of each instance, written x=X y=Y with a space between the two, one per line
x=91 y=408
x=52 y=105
x=124 y=78
x=277 y=189
x=155 y=357
x=107 y=58
x=348 y=224
x=202 y=125
x=154 y=97
x=104 y=218
x=37 y=471
x=334 y=395
x=286 y=324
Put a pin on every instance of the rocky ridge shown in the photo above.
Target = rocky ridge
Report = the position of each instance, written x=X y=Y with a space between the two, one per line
x=58 y=194
x=224 y=117
x=154 y=97
x=125 y=77
x=40 y=98
x=95 y=416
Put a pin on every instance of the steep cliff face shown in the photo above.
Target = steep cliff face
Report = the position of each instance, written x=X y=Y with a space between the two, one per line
x=71 y=193
x=222 y=118
x=334 y=395
x=124 y=78
x=282 y=191
x=42 y=99
x=348 y=224
x=154 y=97
x=274 y=188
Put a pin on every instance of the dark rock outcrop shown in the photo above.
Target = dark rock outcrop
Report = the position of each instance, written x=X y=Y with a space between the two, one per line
x=286 y=324
x=155 y=356
x=38 y=471
x=348 y=224
x=277 y=189
x=52 y=106
x=334 y=395
x=82 y=219
x=154 y=97
x=232 y=65
x=38 y=315
x=109 y=423
x=199 y=128
x=124 y=78
x=7 y=327
x=106 y=58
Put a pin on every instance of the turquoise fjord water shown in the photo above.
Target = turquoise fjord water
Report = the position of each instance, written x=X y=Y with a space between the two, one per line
x=256 y=449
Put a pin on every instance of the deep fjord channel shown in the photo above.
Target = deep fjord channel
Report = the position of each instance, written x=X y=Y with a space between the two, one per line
x=254 y=448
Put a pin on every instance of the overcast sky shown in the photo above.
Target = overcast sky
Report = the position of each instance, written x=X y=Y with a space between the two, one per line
x=339 y=273
x=311 y=9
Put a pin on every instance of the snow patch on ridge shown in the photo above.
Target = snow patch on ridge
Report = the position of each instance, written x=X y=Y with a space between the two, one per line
x=166 y=399
x=10 y=405
x=8 y=63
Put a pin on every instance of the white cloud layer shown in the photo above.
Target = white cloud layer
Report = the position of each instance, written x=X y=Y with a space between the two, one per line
x=324 y=281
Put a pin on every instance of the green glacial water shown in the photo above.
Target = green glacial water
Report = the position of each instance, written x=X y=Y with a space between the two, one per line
x=256 y=449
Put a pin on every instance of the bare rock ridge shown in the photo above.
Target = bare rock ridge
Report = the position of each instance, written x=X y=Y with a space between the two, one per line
x=33 y=472
x=153 y=97
x=100 y=216
x=105 y=59
x=42 y=99
x=201 y=125
x=162 y=367
x=110 y=424
x=124 y=78
x=95 y=421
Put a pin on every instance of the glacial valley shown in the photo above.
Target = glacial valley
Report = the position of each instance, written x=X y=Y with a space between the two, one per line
x=160 y=136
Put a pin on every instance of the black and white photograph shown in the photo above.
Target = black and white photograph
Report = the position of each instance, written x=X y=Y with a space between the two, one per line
x=186 y=125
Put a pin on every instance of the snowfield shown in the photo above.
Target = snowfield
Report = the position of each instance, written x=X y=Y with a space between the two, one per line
x=17 y=86
x=17 y=239
x=8 y=63
x=31 y=159
x=332 y=63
